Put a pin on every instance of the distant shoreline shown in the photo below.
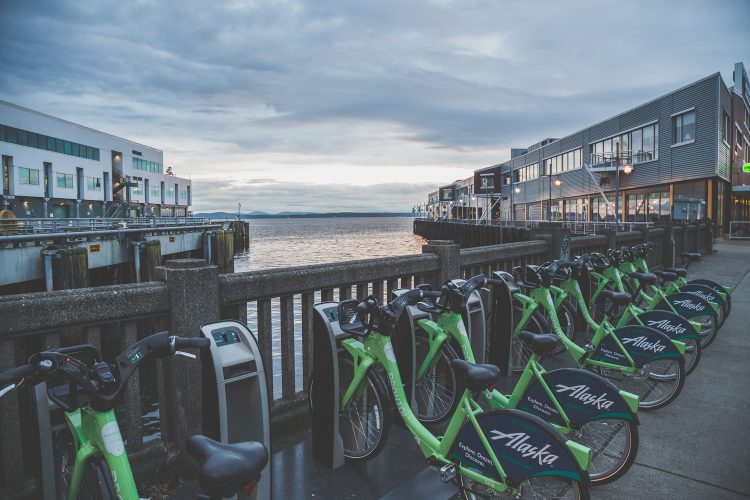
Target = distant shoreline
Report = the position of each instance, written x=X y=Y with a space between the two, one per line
x=331 y=215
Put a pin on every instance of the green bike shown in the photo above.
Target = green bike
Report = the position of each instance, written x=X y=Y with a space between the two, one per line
x=638 y=359
x=94 y=463
x=583 y=406
x=485 y=453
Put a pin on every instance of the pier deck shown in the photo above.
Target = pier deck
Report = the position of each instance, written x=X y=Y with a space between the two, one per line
x=709 y=459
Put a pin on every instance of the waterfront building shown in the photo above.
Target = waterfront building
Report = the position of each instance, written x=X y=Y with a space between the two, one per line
x=679 y=156
x=54 y=168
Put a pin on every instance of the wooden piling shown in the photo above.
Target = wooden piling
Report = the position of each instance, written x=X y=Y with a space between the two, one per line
x=150 y=259
x=70 y=268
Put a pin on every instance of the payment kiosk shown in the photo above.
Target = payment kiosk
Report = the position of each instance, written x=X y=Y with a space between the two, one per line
x=327 y=443
x=406 y=345
x=235 y=399
x=474 y=320
x=500 y=331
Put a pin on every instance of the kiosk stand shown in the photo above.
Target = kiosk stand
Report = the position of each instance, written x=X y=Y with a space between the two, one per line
x=327 y=444
x=474 y=320
x=405 y=345
x=51 y=420
x=236 y=408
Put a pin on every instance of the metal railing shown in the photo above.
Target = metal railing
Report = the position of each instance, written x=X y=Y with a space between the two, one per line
x=54 y=225
x=739 y=230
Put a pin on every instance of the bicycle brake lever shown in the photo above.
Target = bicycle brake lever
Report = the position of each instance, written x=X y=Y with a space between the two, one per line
x=7 y=390
x=185 y=354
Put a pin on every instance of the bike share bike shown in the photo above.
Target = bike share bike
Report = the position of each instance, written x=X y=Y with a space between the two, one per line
x=674 y=281
x=97 y=466
x=669 y=323
x=582 y=405
x=614 y=272
x=640 y=360
x=484 y=453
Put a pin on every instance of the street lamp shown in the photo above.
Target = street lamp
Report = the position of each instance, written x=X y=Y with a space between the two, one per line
x=558 y=183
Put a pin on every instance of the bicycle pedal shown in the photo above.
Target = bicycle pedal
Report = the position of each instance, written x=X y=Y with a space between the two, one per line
x=447 y=473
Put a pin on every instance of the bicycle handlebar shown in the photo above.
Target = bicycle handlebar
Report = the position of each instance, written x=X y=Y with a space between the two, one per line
x=14 y=375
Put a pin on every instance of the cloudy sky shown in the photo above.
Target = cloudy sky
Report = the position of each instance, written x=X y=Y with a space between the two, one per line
x=349 y=105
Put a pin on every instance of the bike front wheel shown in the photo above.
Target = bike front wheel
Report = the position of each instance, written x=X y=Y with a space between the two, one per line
x=534 y=488
x=436 y=392
x=657 y=383
x=614 y=445
x=96 y=484
x=709 y=328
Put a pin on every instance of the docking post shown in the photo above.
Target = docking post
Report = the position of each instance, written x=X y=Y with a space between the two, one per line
x=450 y=263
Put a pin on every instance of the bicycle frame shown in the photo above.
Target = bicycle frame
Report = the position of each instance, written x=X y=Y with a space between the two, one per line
x=377 y=348
x=450 y=325
x=97 y=433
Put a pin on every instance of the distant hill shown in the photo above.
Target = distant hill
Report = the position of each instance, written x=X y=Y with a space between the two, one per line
x=294 y=215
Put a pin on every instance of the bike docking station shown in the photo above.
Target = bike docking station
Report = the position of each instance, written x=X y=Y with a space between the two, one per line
x=327 y=443
x=474 y=320
x=235 y=398
x=500 y=331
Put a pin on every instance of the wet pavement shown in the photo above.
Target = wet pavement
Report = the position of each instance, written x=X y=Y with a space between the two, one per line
x=698 y=447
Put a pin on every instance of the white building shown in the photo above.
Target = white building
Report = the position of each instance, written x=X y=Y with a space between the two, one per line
x=55 y=168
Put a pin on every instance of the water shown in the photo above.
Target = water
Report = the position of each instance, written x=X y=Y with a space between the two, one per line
x=278 y=243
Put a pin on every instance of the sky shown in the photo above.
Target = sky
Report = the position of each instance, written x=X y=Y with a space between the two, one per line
x=351 y=105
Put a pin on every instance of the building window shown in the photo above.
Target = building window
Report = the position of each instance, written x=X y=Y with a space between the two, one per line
x=136 y=188
x=39 y=141
x=155 y=192
x=487 y=181
x=527 y=173
x=683 y=127
x=93 y=183
x=747 y=152
x=637 y=146
x=28 y=176
x=64 y=180
x=726 y=129
x=563 y=162
x=147 y=166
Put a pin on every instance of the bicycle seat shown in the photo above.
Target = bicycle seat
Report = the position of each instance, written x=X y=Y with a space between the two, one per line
x=540 y=343
x=617 y=298
x=600 y=268
x=226 y=468
x=475 y=377
x=666 y=275
x=644 y=278
x=679 y=271
x=691 y=256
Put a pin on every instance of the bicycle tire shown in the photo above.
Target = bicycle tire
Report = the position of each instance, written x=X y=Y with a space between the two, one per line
x=621 y=380
x=711 y=331
x=97 y=482
x=621 y=467
x=519 y=353
x=422 y=387
x=470 y=491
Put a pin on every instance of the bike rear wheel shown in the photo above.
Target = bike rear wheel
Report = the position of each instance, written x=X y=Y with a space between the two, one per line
x=534 y=488
x=520 y=353
x=656 y=383
x=709 y=328
x=436 y=393
x=692 y=354
x=614 y=446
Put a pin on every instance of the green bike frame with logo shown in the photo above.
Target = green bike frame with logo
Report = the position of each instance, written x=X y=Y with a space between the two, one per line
x=468 y=429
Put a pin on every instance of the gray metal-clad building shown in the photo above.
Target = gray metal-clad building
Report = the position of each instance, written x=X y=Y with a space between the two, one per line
x=673 y=157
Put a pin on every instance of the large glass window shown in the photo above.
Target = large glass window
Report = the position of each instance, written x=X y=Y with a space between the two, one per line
x=136 y=188
x=683 y=127
x=726 y=129
x=28 y=176
x=486 y=181
x=563 y=162
x=637 y=146
x=64 y=180
x=527 y=173
x=39 y=141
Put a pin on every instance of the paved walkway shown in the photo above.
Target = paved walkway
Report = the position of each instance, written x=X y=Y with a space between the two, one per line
x=696 y=448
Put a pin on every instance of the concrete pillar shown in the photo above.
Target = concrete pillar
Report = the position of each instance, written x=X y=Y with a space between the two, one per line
x=450 y=260
x=668 y=251
x=611 y=235
x=78 y=209
x=559 y=247
x=194 y=300
x=45 y=208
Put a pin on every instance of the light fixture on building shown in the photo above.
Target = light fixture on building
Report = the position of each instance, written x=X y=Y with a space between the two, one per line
x=26 y=204
x=518 y=189
x=627 y=168
x=91 y=205
x=558 y=181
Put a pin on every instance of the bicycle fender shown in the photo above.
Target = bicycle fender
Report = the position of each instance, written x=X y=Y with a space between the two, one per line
x=687 y=305
x=582 y=395
x=704 y=292
x=712 y=285
x=670 y=324
x=646 y=344
x=525 y=446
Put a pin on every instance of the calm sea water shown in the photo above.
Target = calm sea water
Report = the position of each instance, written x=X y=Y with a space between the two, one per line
x=278 y=243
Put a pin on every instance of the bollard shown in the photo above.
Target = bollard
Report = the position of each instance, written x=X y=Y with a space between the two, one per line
x=450 y=263
x=70 y=268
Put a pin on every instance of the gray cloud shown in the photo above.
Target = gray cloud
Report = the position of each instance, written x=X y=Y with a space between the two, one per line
x=255 y=89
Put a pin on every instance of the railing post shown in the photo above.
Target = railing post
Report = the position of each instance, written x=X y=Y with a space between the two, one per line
x=668 y=250
x=449 y=257
x=559 y=246
x=611 y=235
x=193 y=300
